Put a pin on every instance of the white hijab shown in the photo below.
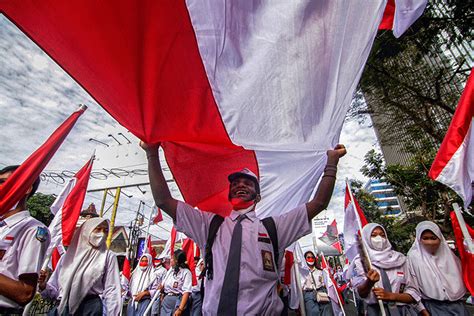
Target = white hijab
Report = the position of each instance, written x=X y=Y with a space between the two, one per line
x=142 y=279
x=82 y=266
x=387 y=258
x=436 y=272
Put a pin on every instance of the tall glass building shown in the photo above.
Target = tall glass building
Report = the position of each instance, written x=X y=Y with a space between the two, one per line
x=385 y=197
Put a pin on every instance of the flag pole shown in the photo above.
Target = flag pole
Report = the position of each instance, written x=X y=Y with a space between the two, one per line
x=112 y=218
x=462 y=225
x=149 y=221
x=298 y=282
x=335 y=287
x=363 y=246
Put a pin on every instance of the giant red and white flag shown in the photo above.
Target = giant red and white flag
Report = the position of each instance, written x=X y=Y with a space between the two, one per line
x=454 y=163
x=23 y=178
x=354 y=221
x=67 y=208
x=223 y=85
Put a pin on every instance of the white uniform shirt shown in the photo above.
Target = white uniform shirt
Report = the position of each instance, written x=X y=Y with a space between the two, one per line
x=400 y=280
x=308 y=281
x=108 y=287
x=258 y=279
x=23 y=244
x=179 y=283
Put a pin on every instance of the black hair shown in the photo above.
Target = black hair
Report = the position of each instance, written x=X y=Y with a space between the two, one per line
x=180 y=258
x=34 y=186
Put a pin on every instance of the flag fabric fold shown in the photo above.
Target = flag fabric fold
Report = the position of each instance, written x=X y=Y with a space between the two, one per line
x=399 y=15
x=159 y=216
x=354 y=221
x=454 y=162
x=23 y=178
x=467 y=257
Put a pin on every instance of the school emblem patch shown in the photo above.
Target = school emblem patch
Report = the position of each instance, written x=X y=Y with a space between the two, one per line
x=42 y=234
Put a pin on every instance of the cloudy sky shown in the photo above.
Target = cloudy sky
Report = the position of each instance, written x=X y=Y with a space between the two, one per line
x=36 y=95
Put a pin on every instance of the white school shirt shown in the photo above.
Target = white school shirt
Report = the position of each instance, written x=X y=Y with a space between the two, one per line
x=23 y=243
x=308 y=283
x=108 y=287
x=179 y=283
x=400 y=280
x=258 y=279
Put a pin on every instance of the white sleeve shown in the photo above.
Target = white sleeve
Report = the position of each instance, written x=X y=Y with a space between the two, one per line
x=111 y=295
x=193 y=223
x=32 y=247
x=188 y=282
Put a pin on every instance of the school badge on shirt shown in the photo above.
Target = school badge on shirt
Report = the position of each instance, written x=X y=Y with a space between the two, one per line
x=267 y=260
x=42 y=234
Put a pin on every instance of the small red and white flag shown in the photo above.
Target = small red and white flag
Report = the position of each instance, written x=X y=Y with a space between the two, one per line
x=354 y=221
x=189 y=248
x=454 y=162
x=23 y=178
x=125 y=277
x=331 y=236
x=149 y=248
x=67 y=208
x=333 y=290
x=159 y=216
x=466 y=254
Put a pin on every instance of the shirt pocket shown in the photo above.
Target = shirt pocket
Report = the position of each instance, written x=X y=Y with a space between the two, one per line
x=266 y=259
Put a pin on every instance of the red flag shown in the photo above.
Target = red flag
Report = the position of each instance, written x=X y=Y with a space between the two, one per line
x=289 y=261
x=150 y=248
x=354 y=221
x=173 y=240
x=332 y=283
x=23 y=178
x=159 y=217
x=126 y=268
x=55 y=258
x=454 y=162
x=188 y=248
x=467 y=258
x=73 y=203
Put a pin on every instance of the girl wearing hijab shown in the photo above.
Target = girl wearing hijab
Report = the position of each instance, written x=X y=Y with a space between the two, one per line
x=389 y=279
x=312 y=284
x=86 y=279
x=177 y=287
x=143 y=285
x=437 y=272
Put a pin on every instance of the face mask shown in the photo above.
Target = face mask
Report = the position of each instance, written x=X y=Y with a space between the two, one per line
x=378 y=242
x=143 y=267
x=310 y=261
x=97 y=239
x=239 y=204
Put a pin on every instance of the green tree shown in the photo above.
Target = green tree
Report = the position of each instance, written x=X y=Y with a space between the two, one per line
x=39 y=205
x=412 y=84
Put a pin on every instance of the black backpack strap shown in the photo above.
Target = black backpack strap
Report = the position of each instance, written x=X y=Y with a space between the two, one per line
x=216 y=222
x=270 y=226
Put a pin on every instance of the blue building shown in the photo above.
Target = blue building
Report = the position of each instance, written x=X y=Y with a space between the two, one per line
x=385 y=197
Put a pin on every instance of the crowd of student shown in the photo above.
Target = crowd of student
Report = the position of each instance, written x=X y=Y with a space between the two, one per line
x=239 y=273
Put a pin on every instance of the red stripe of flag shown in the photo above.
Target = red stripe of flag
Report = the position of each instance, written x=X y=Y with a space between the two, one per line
x=16 y=186
x=457 y=130
x=73 y=204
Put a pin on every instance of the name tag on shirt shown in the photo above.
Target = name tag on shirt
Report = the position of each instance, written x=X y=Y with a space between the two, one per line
x=267 y=260
x=263 y=237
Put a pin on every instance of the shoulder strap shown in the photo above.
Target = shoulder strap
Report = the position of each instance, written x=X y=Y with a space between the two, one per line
x=270 y=226
x=216 y=222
